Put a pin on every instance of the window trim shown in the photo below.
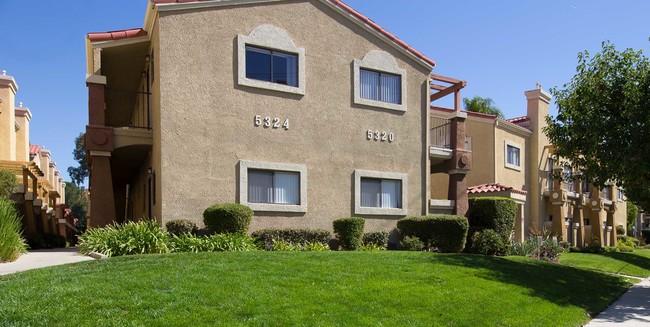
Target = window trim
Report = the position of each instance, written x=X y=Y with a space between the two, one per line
x=245 y=165
x=272 y=38
x=505 y=155
x=382 y=62
x=359 y=210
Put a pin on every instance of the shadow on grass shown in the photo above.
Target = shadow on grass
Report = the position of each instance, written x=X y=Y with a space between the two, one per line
x=566 y=286
x=630 y=258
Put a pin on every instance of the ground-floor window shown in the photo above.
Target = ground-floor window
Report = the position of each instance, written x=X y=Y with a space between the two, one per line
x=380 y=193
x=273 y=187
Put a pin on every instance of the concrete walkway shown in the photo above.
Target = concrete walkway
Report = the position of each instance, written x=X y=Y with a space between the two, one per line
x=632 y=309
x=42 y=258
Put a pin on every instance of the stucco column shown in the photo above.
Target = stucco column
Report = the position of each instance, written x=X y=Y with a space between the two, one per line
x=579 y=218
x=23 y=117
x=598 y=217
x=560 y=209
x=101 y=189
x=519 y=224
x=8 y=89
x=459 y=164
x=30 y=222
x=612 y=222
x=96 y=91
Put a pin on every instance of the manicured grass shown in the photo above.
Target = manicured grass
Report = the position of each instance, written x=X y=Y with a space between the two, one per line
x=307 y=288
x=636 y=263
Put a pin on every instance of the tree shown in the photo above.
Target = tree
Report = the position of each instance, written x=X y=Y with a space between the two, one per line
x=603 y=122
x=632 y=212
x=482 y=105
x=77 y=200
x=78 y=174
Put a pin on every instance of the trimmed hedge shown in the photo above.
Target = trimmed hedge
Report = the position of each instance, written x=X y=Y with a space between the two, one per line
x=411 y=243
x=267 y=237
x=181 y=226
x=488 y=242
x=494 y=213
x=228 y=218
x=376 y=238
x=447 y=233
x=349 y=232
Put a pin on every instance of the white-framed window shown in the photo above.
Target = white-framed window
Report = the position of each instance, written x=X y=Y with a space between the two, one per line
x=273 y=187
x=513 y=155
x=268 y=59
x=380 y=82
x=621 y=195
x=380 y=193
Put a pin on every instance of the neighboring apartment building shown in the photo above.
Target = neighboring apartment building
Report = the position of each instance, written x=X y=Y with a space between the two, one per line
x=513 y=158
x=306 y=111
x=41 y=191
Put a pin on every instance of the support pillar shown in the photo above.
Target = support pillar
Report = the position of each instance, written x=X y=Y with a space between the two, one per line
x=520 y=224
x=598 y=218
x=101 y=192
x=579 y=218
x=459 y=164
x=30 y=222
x=560 y=210
x=611 y=223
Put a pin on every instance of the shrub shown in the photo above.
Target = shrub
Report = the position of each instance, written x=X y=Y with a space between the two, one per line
x=125 y=239
x=315 y=246
x=645 y=233
x=213 y=243
x=494 y=213
x=46 y=241
x=12 y=243
x=411 y=243
x=282 y=245
x=575 y=249
x=181 y=226
x=8 y=183
x=372 y=247
x=625 y=248
x=488 y=242
x=548 y=250
x=620 y=230
x=349 y=232
x=228 y=218
x=300 y=236
x=628 y=241
x=376 y=238
x=446 y=233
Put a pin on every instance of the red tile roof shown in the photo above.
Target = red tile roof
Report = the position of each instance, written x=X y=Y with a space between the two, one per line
x=518 y=119
x=493 y=187
x=34 y=149
x=116 y=35
x=354 y=13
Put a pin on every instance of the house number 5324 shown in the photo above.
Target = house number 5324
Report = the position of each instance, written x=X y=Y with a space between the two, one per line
x=269 y=122
x=380 y=136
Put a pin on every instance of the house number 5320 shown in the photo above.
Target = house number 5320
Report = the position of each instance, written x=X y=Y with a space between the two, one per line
x=269 y=122
x=380 y=136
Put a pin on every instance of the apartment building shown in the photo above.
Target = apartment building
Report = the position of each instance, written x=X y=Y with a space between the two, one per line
x=41 y=190
x=306 y=111
x=513 y=158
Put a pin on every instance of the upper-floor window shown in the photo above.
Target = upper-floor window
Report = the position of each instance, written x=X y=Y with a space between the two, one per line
x=621 y=196
x=267 y=58
x=513 y=155
x=381 y=86
x=272 y=66
x=379 y=82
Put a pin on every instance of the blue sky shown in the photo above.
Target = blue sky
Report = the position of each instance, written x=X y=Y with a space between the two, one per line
x=501 y=48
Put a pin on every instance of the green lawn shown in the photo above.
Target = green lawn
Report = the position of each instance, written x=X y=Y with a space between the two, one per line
x=636 y=263
x=307 y=288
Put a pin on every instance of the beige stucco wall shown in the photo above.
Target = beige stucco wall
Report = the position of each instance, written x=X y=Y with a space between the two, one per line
x=7 y=123
x=482 y=132
x=206 y=121
x=507 y=175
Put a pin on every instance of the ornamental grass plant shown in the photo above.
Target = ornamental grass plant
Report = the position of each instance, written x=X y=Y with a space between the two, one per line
x=12 y=243
x=125 y=239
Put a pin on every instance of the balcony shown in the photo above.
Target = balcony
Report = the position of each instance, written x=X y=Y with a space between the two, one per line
x=440 y=138
x=127 y=108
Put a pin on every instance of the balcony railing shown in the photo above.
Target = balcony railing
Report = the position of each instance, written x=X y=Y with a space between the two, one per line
x=440 y=132
x=125 y=108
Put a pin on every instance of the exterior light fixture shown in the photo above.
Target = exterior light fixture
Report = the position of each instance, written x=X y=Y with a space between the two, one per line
x=147 y=58
x=609 y=228
x=149 y=171
x=576 y=225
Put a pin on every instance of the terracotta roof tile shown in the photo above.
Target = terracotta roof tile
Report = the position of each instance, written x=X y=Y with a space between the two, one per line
x=116 y=35
x=518 y=119
x=354 y=13
x=34 y=149
x=493 y=187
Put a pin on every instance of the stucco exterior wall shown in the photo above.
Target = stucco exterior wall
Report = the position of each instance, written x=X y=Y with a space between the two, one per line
x=7 y=124
x=504 y=174
x=207 y=119
x=482 y=133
